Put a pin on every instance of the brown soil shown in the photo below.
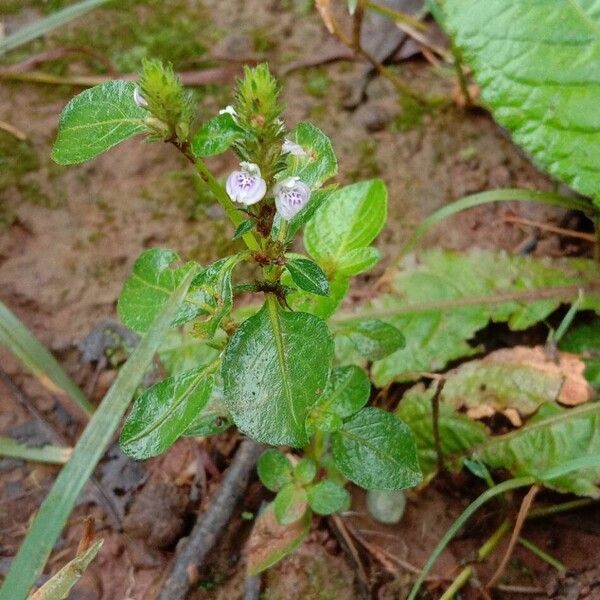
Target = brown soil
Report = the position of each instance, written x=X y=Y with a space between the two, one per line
x=72 y=234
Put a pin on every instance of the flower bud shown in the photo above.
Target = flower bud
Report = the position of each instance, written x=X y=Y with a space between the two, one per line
x=139 y=99
x=291 y=196
x=246 y=186
x=293 y=148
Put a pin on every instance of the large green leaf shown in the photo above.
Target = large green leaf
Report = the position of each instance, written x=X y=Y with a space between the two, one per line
x=321 y=306
x=554 y=436
x=458 y=433
x=54 y=511
x=350 y=219
x=444 y=297
x=538 y=65
x=319 y=162
x=97 y=120
x=307 y=275
x=372 y=338
x=150 y=285
x=275 y=366
x=182 y=351
x=347 y=391
x=376 y=450
x=164 y=412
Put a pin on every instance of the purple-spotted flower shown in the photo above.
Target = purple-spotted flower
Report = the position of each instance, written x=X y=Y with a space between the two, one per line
x=293 y=148
x=246 y=186
x=139 y=99
x=291 y=196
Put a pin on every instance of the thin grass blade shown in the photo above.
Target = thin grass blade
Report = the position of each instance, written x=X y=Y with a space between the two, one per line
x=56 y=508
x=23 y=344
x=46 y=454
x=43 y=26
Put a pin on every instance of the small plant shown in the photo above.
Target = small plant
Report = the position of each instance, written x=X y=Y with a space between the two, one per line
x=271 y=372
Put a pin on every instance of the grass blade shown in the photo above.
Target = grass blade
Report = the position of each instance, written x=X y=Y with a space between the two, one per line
x=46 y=454
x=54 y=511
x=60 y=584
x=503 y=195
x=22 y=343
x=43 y=26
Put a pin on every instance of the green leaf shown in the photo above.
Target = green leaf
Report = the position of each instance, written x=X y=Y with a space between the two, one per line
x=372 y=338
x=164 y=411
x=54 y=511
x=290 y=503
x=458 y=433
x=321 y=306
x=214 y=418
x=347 y=391
x=444 y=297
x=272 y=374
x=217 y=135
x=547 y=100
x=214 y=291
x=320 y=162
x=585 y=341
x=376 y=450
x=243 y=228
x=352 y=4
x=181 y=351
x=350 y=219
x=274 y=469
x=305 y=471
x=317 y=198
x=553 y=437
x=97 y=120
x=328 y=497
x=307 y=275
x=270 y=542
x=148 y=288
x=358 y=261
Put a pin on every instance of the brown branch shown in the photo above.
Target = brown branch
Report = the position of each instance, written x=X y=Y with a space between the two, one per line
x=435 y=418
x=192 y=553
x=514 y=538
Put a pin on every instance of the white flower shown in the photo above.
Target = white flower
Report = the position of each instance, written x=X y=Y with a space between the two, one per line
x=139 y=99
x=293 y=148
x=246 y=186
x=228 y=110
x=291 y=196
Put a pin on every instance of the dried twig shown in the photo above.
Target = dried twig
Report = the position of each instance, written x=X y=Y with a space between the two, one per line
x=514 y=538
x=14 y=131
x=580 y=235
x=435 y=418
x=193 y=551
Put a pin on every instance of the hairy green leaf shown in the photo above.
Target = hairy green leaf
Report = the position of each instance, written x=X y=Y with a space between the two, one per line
x=458 y=433
x=307 y=274
x=376 y=450
x=538 y=64
x=305 y=471
x=214 y=418
x=272 y=374
x=328 y=497
x=552 y=437
x=319 y=162
x=97 y=120
x=350 y=219
x=321 y=306
x=150 y=285
x=358 y=261
x=181 y=351
x=217 y=135
x=274 y=469
x=440 y=301
x=163 y=412
x=372 y=338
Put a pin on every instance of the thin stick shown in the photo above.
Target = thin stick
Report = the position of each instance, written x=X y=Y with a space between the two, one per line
x=542 y=554
x=514 y=538
x=204 y=535
x=14 y=131
x=580 y=235
x=435 y=417
x=519 y=589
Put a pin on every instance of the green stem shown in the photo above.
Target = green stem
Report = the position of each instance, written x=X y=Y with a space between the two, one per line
x=459 y=581
x=533 y=548
x=462 y=82
x=225 y=201
x=488 y=197
x=556 y=509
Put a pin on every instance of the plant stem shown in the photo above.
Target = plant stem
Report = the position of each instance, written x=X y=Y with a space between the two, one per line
x=435 y=416
x=556 y=509
x=460 y=75
x=533 y=548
